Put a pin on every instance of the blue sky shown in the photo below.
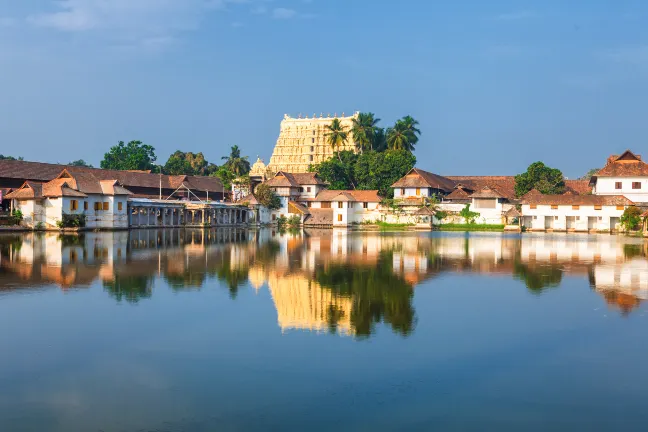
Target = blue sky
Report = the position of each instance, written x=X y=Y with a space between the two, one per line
x=495 y=84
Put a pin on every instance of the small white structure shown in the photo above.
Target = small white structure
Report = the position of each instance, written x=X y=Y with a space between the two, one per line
x=573 y=212
x=294 y=190
x=103 y=203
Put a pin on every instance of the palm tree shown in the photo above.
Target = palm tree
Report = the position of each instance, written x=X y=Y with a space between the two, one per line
x=411 y=125
x=399 y=137
x=235 y=163
x=336 y=136
x=363 y=130
x=379 y=140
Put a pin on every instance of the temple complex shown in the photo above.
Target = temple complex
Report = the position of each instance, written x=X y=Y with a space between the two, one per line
x=302 y=142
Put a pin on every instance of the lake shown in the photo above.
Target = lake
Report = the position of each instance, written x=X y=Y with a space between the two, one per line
x=235 y=330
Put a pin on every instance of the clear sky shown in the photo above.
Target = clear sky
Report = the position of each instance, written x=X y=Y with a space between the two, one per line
x=495 y=84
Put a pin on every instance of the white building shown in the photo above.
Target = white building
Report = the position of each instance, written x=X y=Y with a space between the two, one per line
x=102 y=203
x=573 y=212
x=625 y=175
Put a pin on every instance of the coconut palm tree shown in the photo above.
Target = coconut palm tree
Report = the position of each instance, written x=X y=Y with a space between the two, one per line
x=379 y=142
x=235 y=163
x=411 y=125
x=363 y=130
x=399 y=137
x=336 y=136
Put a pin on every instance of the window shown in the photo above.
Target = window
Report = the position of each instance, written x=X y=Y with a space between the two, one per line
x=311 y=158
x=575 y=207
x=533 y=206
x=418 y=191
x=326 y=204
x=535 y=217
x=365 y=205
x=106 y=206
x=555 y=217
x=598 y=207
x=85 y=205
x=636 y=185
x=308 y=189
x=403 y=191
x=620 y=207
x=74 y=205
x=577 y=217
x=312 y=149
x=120 y=206
x=618 y=185
x=274 y=217
x=340 y=204
x=313 y=131
x=301 y=189
x=554 y=206
x=312 y=141
x=97 y=206
x=340 y=217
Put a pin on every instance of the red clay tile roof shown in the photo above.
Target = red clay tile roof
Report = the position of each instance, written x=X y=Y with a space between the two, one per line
x=512 y=212
x=626 y=165
x=43 y=172
x=348 y=195
x=487 y=192
x=419 y=178
x=319 y=217
x=29 y=190
x=504 y=185
x=607 y=200
x=458 y=194
x=424 y=211
x=580 y=187
x=532 y=193
x=285 y=179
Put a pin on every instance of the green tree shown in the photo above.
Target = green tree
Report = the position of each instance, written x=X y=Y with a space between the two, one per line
x=181 y=163
x=338 y=173
x=132 y=156
x=3 y=157
x=411 y=125
x=468 y=215
x=266 y=197
x=631 y=218
x=589 y=174
x=541 y=177
x=379 y=140
x=80 y=163
x=363 y=130
x=336 y=136
x=379 y=170
x=237 y=164
x=225 y=176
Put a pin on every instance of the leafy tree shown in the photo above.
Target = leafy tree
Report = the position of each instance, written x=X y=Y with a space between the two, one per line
x=338 y=173
x=80 y=163
x=589 y=174
x=631 y=218
x=235 y=163
x=468 y=214
x=541 y=177
x=379 y=140
x=411 y=126
x=132 y=156
x=363 y=131
x=336 y=136
x=181 y=163
x=2 y=157
x=266 y=197
x=226 y=177
x=379 y=170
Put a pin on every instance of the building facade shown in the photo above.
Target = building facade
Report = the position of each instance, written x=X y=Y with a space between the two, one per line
x=302 y=142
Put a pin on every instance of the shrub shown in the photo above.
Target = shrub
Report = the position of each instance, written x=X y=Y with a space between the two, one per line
x=294 y=221
x=39 y=226
x=16 y=217
x=468 y=215
x=267 y=197
x=631 y=218
x=281 y=221
x=72 y=221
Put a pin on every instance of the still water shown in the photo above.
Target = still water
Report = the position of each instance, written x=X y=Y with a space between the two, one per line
x=228 y=330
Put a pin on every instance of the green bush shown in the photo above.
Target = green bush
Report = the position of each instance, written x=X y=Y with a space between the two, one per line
x=468 y=215
x=281 y=221
x=294 y=221
x=471 y=227
x=72 y=221
x=631 y=218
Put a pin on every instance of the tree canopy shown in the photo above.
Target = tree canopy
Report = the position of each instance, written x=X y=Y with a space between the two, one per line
x=404 y=135
x=181 y=163
x=235 y=163
x=363 y=130
x=132 y=156
x=589 y=174
x=80 y=163
x=336 y=135
x=266 y=197
x=3 y=157
x=538 y=176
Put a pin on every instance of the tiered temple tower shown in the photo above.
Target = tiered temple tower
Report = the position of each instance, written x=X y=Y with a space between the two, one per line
x=302 y=142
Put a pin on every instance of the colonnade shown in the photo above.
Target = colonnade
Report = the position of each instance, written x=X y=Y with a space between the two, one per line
x=142 y=215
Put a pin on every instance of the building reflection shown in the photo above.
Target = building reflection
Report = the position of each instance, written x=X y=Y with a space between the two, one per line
x=320 y=280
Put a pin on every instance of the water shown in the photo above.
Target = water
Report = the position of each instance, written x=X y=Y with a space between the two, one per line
x=325 y=330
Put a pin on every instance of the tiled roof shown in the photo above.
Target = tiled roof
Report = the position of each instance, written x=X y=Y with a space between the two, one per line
x=487 y=192
x=420 y=178
x=285 y=179
x=626 y=165
x=532 y=193
x=298 y=207
x=458 y=194
x=580 y=187
x=319 y=217
x=424 y=211
x=606 y=200
x=250 y=199
x=29 y=190
x=512 y=212
x=348 y=195
x=504 y=185
x=44 y=172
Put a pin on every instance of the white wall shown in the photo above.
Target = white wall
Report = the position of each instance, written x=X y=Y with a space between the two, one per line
x=411 y=192
x=558 y=217
x=606 y=186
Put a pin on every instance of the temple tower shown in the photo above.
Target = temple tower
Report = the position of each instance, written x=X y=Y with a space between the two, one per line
x=302 y=142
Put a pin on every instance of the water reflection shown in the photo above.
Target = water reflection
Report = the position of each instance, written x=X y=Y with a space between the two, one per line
x=321 y=280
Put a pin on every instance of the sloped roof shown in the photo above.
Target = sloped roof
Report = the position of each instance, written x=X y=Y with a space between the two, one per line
x=531 y=194
x=504 y=185
x=298 y=207
x=286 y=179
x=348 y=195
x=417 y=177
x=29 y=190
x=512 y=212
x=487 y=192
x=425 y=211
x=580 y=187
x=609 y=200
x=319 y=217
x=627 y=164
x=43 y=172
x=458 y=194
x=250 y=199
x=112 y=187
